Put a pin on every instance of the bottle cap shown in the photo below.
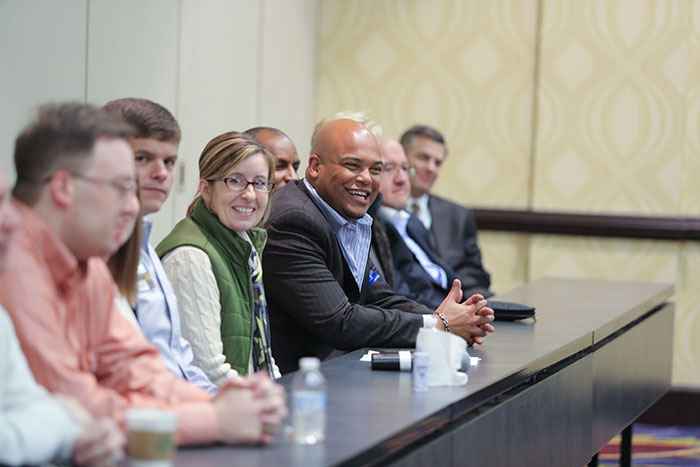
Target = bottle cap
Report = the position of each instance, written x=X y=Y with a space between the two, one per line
x=309 y=363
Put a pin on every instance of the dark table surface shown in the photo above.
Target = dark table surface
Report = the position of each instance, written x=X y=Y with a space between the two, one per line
x=371 y=413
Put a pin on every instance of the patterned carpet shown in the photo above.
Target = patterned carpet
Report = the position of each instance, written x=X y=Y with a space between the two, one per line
x=654 y=445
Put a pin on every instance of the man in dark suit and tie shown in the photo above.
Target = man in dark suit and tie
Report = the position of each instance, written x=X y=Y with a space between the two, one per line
x=322 y=290
x=419 y=273
x=452 y=226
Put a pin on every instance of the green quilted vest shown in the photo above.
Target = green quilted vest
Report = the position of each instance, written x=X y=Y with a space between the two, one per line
x=228 y=253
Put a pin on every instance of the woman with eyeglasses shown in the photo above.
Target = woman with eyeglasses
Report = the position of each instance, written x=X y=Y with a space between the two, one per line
x=212 y=258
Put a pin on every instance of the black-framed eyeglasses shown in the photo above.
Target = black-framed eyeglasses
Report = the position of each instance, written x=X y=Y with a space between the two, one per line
x=234 y=183
x=390 y=169
x=122 y=186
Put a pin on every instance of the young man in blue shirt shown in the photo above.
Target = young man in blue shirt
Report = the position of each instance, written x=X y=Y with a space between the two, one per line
x=155 y=149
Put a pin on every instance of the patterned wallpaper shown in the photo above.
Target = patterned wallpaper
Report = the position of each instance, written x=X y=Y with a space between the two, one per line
x=611 y=111
x=604 y=258
x=571 y=105
x=464 y=67
x=506 y=257
x=690 y=200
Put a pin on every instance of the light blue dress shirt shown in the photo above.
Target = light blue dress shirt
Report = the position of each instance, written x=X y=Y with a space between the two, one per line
x=354 y=237
x=399 y=219
x=159 y=317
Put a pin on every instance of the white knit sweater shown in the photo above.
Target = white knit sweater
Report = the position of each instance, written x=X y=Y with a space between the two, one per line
x=190 y=273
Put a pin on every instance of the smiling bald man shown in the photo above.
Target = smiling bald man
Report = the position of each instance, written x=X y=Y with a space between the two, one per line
x=324 y=294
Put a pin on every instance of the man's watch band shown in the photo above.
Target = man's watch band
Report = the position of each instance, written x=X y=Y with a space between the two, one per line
x=444 y=321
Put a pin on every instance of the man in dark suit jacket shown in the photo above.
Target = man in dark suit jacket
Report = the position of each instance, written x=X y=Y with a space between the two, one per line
x=419 y=272
x=385 y=240
x=412 y=280
x=323 y=295
x=452 y=226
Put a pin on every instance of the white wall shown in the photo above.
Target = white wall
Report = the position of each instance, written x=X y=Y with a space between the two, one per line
x=218 y=65
x=42 y=58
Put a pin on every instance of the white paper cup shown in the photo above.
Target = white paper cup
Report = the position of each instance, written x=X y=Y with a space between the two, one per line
x=151 y=434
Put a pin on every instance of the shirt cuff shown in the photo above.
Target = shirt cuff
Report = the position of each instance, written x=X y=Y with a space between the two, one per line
x=429 y=321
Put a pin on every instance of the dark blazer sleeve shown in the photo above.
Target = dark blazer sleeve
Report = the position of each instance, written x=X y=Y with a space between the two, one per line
x=455 y=235
x=301 y=262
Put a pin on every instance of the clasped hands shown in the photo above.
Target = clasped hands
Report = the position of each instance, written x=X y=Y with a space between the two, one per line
x=469 y=319
x=250 y=409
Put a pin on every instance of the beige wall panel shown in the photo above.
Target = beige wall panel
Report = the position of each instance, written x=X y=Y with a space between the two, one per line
x=464 y=67
x=288 y=69
x=690 y=204
x=611 y=110
x=504 y=256
x=42 y=59
x=218 y=79
x=600 y=258
x=686 y=361
x=132 y=52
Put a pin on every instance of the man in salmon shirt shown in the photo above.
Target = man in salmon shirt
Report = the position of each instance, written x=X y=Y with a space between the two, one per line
x=36 y=428
x=76 y=193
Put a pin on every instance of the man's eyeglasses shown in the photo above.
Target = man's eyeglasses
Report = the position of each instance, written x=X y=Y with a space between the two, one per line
x=390 y=169
x=240 y=184
x=122 y=186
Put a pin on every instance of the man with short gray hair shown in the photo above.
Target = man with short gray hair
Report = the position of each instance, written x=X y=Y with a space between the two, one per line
x=452 y=227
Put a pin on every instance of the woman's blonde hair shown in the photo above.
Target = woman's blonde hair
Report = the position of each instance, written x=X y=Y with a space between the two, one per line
x=223 y=153
x=124 y=265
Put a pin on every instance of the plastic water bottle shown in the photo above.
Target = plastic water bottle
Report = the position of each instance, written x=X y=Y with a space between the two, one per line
x=309 y=402
x=420 y=371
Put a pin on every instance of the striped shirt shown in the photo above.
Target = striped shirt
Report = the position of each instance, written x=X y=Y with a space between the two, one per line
x=354 y=237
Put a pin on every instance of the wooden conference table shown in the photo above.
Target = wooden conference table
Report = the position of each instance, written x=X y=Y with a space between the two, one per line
x=548 y=392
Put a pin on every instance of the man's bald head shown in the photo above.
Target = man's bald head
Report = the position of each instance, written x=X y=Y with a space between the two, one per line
x=282 y=149
x=335 y=130
x=363 y=117
x=345 y=167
